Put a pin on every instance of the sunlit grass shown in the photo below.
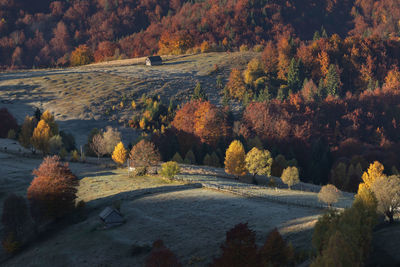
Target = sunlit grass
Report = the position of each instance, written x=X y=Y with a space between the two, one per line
x=111 y=182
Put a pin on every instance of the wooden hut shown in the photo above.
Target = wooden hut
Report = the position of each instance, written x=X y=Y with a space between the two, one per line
x=153 y=61
x=111 y=217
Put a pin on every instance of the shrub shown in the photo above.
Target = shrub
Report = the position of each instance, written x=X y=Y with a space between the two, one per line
x=82 y=55
x=160 y=256
x=170 y=169
x=290 y=176
x=235 y=159
x=144 y=154
x=52 y=192
x=329 y=194
x=120 y=153
x=8 y=122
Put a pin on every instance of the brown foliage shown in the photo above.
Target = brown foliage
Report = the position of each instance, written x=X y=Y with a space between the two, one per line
x=52 y=192
x=144 y=154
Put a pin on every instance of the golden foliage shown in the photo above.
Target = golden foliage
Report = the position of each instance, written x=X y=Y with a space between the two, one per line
x=49 y=119
x=41 y=137
x=120 y=153
x=259 y=161
x=235 y=159
x=82 y=55
x=205 y=47
x=255 y=70
x=375 y=170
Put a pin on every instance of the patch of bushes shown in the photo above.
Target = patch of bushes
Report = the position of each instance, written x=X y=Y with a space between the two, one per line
x=170 y=169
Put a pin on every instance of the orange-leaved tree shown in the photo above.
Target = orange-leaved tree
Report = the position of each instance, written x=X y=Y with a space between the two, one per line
x=52 y=192
x=236 y=86
x=210 y=123
x=82 y=55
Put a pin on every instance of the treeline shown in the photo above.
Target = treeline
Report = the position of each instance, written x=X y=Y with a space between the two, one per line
x=46 y=34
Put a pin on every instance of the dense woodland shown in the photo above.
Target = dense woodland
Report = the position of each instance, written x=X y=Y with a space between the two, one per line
x=45 y=34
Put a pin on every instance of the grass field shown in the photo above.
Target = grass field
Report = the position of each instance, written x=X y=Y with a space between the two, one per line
x=192 y=221
x=82 y=98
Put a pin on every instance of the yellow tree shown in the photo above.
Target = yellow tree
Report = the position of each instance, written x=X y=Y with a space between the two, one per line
x=375 y=170
x=290 y=176
x=259 y=162
x=49 y=119
x=235 y=159
x=41 y=137
x=255 y=70
x=120 y=153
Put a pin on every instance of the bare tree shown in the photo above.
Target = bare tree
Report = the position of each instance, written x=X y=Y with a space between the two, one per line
x=329 y=194
x=111 y=138
x=98 y=145
x=387 y=192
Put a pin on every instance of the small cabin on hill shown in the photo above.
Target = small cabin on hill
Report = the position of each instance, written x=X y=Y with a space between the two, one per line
x=153 y=61
x=111 y=217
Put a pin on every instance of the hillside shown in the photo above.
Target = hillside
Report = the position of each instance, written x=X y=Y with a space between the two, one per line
x=79 y=97
x=46 y=34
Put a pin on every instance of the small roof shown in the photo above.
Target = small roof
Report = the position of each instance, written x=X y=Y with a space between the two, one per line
x=154 y=58
x=107 y=211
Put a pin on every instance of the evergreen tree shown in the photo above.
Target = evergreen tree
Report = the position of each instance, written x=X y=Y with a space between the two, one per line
x=332 y=81
x=323 y=32
x=294 y=76
x=190 y=158
x=264 y=95
x=316 y=36
x=177 y=158
x=198 y=93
